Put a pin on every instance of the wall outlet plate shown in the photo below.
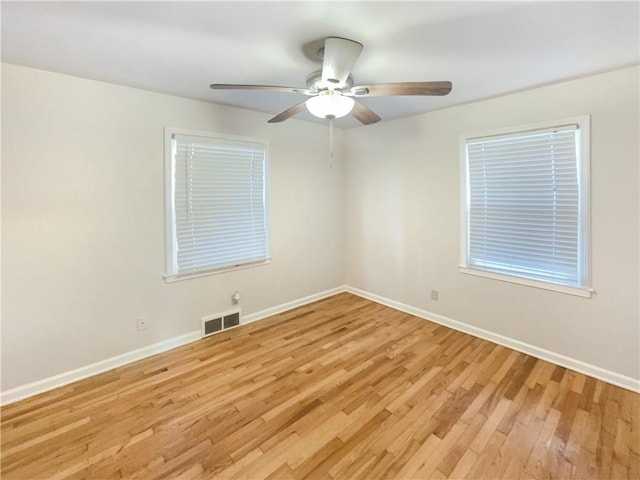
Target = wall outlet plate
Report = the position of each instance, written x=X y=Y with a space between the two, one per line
x=141 y=323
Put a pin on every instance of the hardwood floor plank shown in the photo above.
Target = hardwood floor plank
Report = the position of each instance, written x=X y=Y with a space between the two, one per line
x=487 y=465
x=450 y=462
x=411 y=467
x=340 y=388
x=464 y=466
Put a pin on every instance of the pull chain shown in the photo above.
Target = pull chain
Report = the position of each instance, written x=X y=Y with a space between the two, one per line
x=331 y=143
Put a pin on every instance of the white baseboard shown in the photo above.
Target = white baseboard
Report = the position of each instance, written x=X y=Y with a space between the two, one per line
x=608 y=376
x=56 y=381
x=253 y=317
x=62 y=379
x=46 y=384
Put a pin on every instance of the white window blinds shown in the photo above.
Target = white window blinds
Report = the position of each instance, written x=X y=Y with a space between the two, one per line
x=218 y=205
x=525 y=214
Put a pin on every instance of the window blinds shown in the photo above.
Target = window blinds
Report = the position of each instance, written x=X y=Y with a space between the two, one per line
x=219 y=203
x=523 y=205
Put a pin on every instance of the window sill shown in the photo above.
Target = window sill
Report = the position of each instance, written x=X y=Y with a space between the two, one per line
x=214 y=271
x=580 y=292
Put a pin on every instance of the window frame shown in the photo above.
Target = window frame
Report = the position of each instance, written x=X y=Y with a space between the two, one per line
x=170 y=228
x=584 y=210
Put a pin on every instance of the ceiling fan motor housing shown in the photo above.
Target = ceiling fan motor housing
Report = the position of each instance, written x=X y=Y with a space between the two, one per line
x=314 y=82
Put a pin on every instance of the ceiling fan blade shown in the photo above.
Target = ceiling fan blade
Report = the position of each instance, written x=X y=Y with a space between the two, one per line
x=288 y=113
x=402 y=88
x=364 y=114
x=271 y=88
x=340 y=55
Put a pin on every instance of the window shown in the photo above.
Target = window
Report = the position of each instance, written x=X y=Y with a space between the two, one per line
x=526 y=205
x=216 y=203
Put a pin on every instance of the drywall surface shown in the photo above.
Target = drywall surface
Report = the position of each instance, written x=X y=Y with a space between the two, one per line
x=403 y=221
x=83 y=221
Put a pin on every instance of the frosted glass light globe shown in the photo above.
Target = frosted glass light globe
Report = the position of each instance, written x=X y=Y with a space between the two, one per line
x=330 y=104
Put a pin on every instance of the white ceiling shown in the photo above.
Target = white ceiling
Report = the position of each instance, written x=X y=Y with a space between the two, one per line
x=486 y=49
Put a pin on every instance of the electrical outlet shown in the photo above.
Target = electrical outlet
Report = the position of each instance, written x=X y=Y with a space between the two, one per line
x=434 y=295
x=141 y=323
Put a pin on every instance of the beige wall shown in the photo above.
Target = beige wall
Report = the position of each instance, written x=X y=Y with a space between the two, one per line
x=403 y=221
x=83 y=221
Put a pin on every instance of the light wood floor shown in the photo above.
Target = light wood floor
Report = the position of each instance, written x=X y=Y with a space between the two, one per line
x=339 y=389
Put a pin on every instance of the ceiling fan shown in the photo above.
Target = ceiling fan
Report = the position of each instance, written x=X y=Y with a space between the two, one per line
x=331 y=90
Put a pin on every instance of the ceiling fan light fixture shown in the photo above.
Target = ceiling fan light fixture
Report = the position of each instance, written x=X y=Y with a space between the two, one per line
x=330 y=104
x=331 y=88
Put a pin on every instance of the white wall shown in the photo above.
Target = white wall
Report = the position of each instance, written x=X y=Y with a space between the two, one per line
x=403 y=221
x=83 y=221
